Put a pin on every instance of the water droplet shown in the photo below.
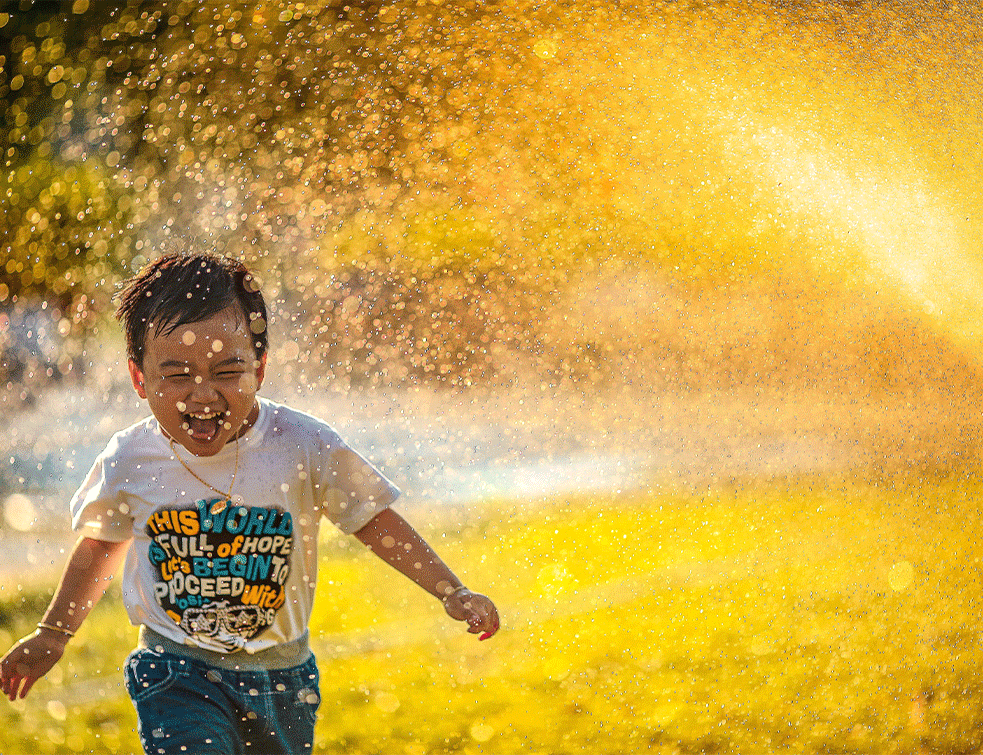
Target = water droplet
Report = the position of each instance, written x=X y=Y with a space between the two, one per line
x=481 y=732
x=19 y=512
x=57 y=710
x=900 y=576
x=387 y=702
x=545 y=49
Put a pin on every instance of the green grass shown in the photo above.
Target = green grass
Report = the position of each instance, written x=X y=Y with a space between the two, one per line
x=813 y=617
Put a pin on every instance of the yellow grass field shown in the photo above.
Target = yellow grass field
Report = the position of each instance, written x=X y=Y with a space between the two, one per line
x=805 y=616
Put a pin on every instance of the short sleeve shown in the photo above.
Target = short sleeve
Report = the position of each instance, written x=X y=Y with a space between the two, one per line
x=351 y=491
x=98 y=508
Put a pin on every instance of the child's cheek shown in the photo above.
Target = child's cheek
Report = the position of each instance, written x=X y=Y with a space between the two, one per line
x=248 y=384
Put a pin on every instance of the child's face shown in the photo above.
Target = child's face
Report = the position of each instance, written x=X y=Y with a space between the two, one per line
x=201 y=380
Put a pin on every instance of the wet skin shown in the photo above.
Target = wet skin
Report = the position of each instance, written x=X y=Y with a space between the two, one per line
x=201 y=380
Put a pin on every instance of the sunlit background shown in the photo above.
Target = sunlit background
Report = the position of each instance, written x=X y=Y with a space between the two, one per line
x=525 y=255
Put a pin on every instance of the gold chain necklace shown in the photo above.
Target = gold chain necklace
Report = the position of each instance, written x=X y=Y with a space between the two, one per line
x=219 y=506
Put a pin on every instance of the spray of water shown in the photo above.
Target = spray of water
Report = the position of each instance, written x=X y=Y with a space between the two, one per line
x=682 y=195
x=684 y=240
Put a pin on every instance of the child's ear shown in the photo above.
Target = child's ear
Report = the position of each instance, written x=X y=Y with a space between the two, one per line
x=136 y=375
x=260 y=371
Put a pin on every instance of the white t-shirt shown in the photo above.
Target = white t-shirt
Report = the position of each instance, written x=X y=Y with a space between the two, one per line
x=242 y=578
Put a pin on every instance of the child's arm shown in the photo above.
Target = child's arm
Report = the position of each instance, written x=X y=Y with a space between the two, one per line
x=90 y=567
x=392 y=539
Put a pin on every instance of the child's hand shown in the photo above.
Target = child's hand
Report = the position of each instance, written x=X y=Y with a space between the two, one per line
x=28 y=661
x=477 y=610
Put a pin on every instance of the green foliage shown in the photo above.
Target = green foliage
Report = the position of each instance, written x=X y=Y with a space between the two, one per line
x=70 y=195
x=813 y=617
x=263 y=126
x=402 y=152
x=62 y=224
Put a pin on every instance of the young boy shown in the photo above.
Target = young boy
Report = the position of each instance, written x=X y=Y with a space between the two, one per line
x=215 y=503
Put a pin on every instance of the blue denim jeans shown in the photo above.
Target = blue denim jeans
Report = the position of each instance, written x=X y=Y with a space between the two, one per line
x=185 y=705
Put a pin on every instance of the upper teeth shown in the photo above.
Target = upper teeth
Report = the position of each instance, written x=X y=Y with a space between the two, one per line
x=204 y=415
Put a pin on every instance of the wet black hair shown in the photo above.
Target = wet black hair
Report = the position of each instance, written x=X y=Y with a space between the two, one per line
x=180 y=288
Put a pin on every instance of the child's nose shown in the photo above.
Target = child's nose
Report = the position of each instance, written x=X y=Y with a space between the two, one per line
x=203 y=390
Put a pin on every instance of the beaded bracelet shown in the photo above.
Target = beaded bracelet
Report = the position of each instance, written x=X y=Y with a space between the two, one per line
x=53 y=628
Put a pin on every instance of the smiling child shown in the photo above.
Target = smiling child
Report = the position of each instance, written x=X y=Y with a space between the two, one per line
x=215 y=503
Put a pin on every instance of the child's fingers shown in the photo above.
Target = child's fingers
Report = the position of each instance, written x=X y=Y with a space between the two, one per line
x=475 y=609
x=16 y=678
x=483 y=619
x=28 y=683
x=490 y=632
x=10 y=686
x=8 y=680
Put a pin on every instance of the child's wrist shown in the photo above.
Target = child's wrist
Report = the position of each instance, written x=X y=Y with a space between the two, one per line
x=451 y=592
x=56 y=629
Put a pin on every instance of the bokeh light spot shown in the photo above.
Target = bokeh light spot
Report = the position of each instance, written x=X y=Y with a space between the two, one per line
x=900 y=576
x=19 y=512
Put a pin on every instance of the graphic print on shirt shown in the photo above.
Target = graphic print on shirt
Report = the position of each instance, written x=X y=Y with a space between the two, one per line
x=221 y=576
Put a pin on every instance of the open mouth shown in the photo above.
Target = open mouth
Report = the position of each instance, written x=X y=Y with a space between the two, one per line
x=204 y=426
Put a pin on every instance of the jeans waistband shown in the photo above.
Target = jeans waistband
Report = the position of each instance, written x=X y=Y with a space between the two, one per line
x=285 y=655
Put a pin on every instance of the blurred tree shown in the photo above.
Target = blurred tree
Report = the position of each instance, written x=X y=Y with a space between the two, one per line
x=258 y=128
x=448 y=163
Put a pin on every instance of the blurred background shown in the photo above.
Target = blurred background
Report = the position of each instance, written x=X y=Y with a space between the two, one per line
x=512 y=248
x=664 y=315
